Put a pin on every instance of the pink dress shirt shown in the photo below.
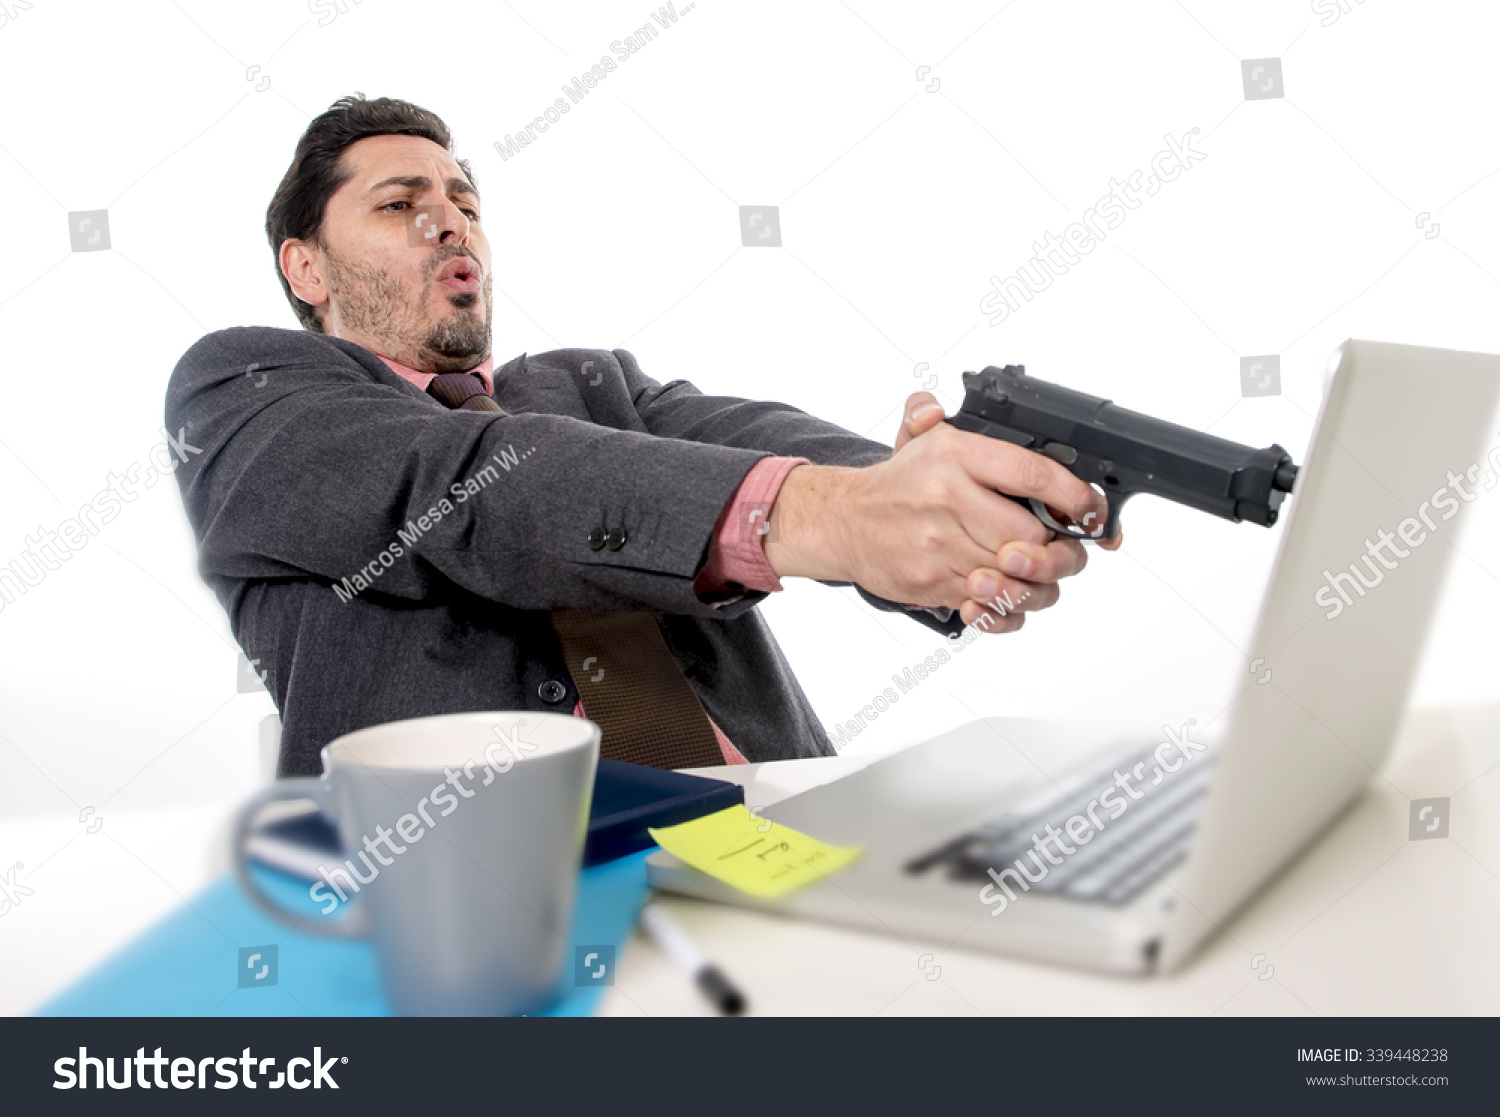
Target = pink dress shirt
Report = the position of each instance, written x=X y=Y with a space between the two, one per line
x=736 y=557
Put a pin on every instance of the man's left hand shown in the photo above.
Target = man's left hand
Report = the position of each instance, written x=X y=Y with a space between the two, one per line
x=1024 y=574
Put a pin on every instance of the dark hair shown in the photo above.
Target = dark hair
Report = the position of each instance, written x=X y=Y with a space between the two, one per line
x=317 y=172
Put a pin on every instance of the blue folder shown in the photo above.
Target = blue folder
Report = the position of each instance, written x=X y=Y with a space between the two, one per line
x=189 y=963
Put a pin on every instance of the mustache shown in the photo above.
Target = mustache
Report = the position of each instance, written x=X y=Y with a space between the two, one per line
x=437 y=261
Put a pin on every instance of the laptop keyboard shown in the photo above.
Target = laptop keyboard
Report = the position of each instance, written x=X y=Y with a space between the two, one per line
x=1123 y=849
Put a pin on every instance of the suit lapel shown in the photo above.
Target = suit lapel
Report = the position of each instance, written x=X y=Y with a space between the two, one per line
x=528 y=385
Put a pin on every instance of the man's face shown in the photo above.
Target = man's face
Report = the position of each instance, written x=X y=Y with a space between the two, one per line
x=393 y=236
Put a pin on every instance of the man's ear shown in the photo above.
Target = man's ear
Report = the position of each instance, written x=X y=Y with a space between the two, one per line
x=302 y=264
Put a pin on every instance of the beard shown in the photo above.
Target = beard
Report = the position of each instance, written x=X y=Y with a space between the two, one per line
x=381 y=306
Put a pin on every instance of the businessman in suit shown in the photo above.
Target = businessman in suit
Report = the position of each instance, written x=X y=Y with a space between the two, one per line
x=398 y=527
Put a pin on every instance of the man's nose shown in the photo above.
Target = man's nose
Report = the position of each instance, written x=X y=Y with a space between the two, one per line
x=452 y=225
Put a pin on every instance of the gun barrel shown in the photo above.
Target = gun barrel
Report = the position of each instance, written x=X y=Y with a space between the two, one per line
x=1125 y=452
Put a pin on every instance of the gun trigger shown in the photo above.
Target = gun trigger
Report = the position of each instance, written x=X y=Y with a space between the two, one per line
x=1039 y=510
x=1085 y=531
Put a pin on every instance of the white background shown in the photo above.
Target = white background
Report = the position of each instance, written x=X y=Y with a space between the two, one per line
x=620 y=228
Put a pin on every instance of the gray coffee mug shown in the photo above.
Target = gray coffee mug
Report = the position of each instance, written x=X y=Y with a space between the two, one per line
x=463 y=835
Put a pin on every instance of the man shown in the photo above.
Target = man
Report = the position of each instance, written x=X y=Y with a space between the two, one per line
x=397 y=527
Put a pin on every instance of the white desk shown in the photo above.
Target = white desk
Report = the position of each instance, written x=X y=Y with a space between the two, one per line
x=1365 y=922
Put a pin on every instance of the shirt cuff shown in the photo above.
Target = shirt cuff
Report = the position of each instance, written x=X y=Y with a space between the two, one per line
x=737 y=556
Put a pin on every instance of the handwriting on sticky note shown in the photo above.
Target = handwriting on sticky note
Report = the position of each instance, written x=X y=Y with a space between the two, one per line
x=753 y=854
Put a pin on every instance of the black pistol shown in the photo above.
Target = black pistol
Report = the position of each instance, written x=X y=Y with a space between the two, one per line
x=1121 y=453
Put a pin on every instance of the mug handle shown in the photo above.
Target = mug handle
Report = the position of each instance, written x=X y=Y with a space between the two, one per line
x=351 y=926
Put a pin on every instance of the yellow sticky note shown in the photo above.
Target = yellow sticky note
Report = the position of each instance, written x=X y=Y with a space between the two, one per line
x=752 y=854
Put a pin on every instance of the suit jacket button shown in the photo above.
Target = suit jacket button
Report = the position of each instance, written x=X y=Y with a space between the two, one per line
x=616 y=538
x=552 y=692
x=596 y=538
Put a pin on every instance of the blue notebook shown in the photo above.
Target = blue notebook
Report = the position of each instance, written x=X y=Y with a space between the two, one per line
x=628 y=798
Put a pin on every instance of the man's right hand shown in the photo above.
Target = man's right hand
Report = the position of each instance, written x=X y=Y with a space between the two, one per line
x=929 y=526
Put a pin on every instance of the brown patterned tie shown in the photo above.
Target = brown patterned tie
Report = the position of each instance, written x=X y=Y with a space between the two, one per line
x=633 y=688
x=625 y=674
x=462 y=391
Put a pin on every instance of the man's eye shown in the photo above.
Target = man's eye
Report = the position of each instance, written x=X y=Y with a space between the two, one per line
x=473 y=214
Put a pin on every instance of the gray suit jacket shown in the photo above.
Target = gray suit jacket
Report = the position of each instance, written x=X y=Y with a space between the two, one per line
x=318 y=464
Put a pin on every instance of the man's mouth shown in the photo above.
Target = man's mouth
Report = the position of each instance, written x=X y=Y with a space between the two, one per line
x=460 y=275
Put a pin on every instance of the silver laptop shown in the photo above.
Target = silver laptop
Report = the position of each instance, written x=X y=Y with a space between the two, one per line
x=1124 y=849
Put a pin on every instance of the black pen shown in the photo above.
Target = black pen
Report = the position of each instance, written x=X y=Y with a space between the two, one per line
x=676 y=945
